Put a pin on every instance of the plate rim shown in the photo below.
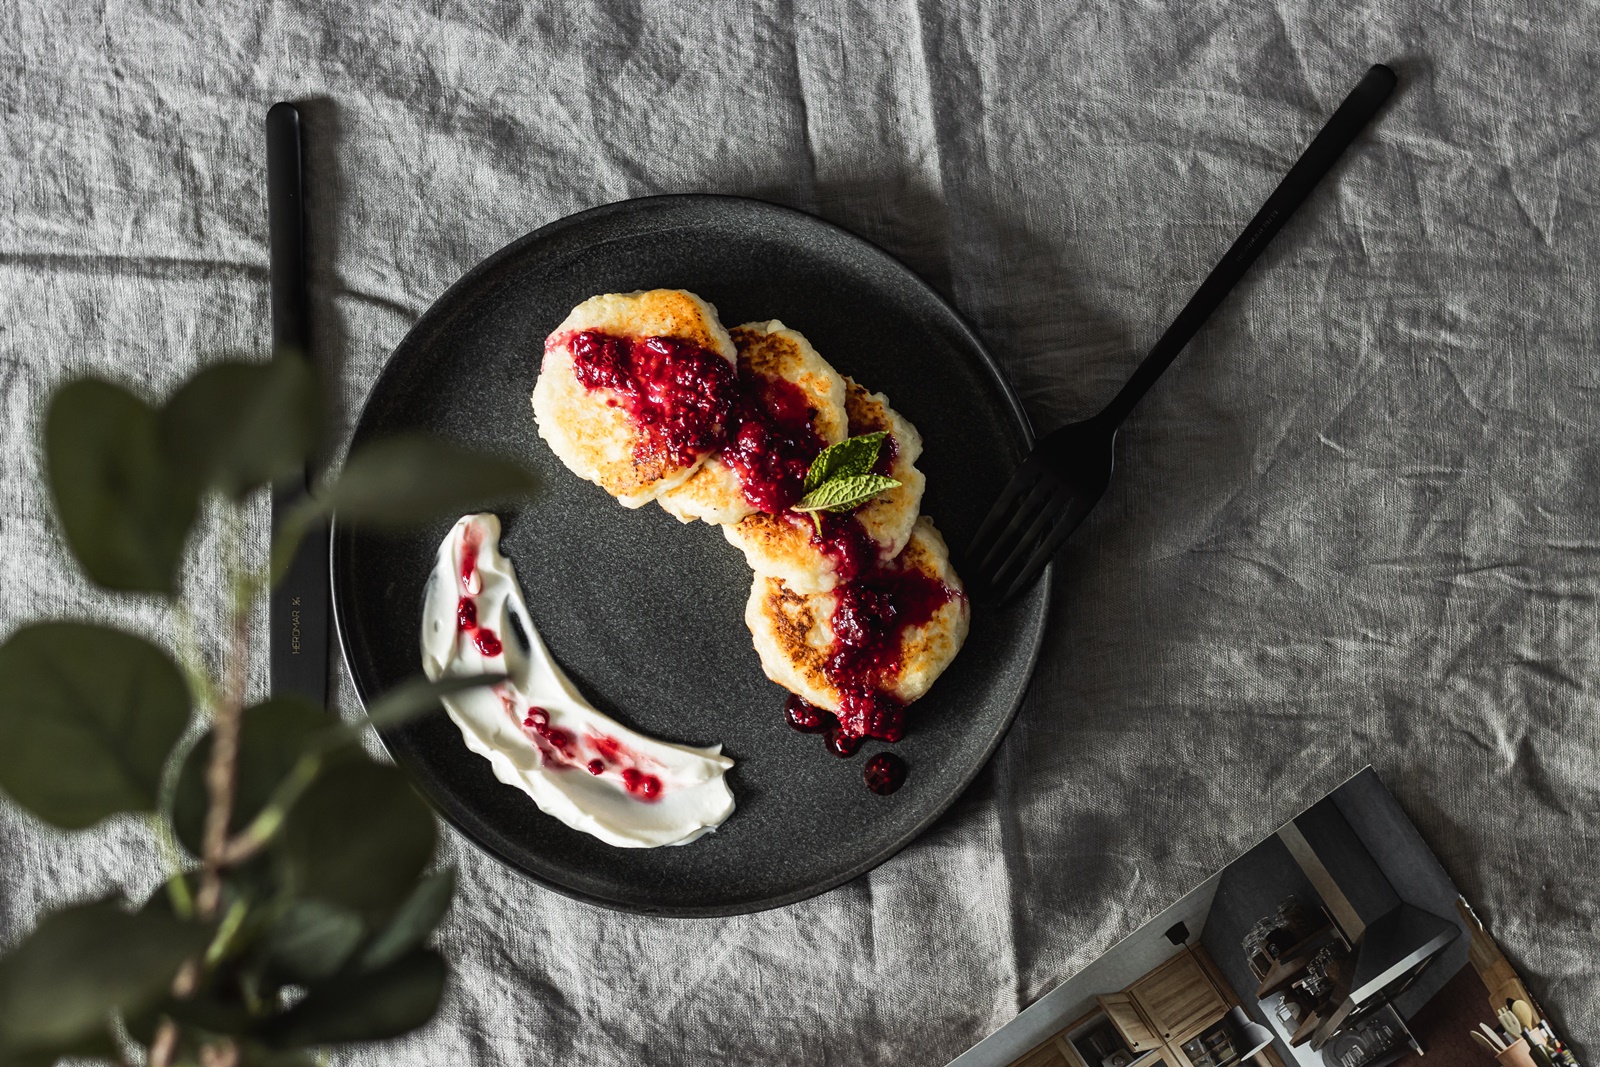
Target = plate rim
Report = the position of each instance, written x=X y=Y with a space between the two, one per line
x=339 y=534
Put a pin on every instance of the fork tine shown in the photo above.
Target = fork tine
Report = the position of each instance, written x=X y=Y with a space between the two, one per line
x=1026 y=478
x=1037 y=500
x=1018 y=547
x=1071 y=518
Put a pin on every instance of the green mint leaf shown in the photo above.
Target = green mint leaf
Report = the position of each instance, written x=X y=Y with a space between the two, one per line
x=842 y=494
x=846 y=459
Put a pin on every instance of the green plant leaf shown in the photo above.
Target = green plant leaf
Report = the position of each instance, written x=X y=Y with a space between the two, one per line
x=401 y=481
x=414 y=921
x=272 y=738
x=210 y=1009
x=311 y=940
x=236 y=426
x=60 y=985
x=404 y=480
x=88 y=717
x=253 y=1055
x=97 y=1046
x=125 y=510
x=418 y=696
x=848 y=458
x=358 y=837
x=296 y=523
x=384 y=1003
x=842 y=494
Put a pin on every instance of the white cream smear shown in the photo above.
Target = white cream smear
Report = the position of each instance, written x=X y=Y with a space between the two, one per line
x=536 y=730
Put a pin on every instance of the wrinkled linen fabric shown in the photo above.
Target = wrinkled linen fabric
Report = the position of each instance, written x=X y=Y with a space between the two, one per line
x=1359 y=521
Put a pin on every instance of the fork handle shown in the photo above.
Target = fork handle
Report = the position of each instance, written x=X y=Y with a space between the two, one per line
x=1353 y=115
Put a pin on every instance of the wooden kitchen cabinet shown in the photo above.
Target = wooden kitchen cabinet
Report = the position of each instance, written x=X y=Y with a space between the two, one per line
x=1053 y=1053
x=1177 y=999
x=1125 y=1016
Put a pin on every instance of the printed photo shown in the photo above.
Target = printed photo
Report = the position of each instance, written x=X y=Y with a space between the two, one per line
x=1339 y=941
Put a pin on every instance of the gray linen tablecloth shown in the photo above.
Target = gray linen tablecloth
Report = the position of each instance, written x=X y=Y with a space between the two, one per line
x=1359 y=521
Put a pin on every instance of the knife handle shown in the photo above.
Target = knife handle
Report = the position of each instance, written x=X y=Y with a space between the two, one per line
x=286 y=228
x=298 y=638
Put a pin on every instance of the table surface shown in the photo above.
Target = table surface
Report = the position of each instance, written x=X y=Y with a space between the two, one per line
x=1358 y=522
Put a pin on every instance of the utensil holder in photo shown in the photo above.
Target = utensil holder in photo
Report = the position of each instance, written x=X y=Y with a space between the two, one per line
x=1517 y=1054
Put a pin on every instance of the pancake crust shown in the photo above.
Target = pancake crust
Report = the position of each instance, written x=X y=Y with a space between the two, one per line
x=780 y=546
x=770 y=349
x=593 y=438
x=793 y=634
x=888 y=517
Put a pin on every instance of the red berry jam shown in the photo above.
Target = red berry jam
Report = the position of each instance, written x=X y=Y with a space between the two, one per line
x=885 y=773
x=681 y=396
x=870 y=618
x=538 y=721
x=471 y=538
x=774 y=442
x=687 y=401
x=888 y=452
x=483 y=639
x=841 y=742
x=806 y=717
x=644 y=786
x=561 y=750
x=608 y=747
x=845 y=541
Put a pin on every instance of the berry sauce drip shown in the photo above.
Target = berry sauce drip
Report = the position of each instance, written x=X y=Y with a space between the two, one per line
x=885 y=773
x=888 y=452
x=555 y=744
x=774 y=442
x=559 y=750
x=870 y=618
x=644 y=786
x=844 y=540
x=806 y=717
x=470 y=540
x=681 y=396
x=484 y=639
x=687 y=401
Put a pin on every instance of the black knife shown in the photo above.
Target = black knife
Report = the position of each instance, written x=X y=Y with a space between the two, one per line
x=299 y=613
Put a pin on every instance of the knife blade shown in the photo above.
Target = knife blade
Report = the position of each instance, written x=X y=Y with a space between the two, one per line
x=298 y=635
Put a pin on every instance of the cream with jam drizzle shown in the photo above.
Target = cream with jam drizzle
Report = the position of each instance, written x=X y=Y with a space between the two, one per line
x=536 y=730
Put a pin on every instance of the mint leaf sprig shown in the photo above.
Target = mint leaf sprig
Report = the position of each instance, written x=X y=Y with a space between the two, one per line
x=841 y=477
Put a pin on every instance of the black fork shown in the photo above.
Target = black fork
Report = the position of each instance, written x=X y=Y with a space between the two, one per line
x=1068 y=470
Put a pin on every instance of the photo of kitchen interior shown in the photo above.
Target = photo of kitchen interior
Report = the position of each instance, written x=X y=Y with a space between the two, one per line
x=1339 y=941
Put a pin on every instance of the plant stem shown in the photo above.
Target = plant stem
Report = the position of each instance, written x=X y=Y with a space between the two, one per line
x=190 y=658
x=221 y=771
x=223 y=1053
x=165 y=1044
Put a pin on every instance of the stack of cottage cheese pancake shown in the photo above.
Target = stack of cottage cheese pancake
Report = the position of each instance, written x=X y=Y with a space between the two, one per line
x=855 y=609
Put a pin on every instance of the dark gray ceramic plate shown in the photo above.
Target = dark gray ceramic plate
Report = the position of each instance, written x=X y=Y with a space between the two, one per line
x=646 y=614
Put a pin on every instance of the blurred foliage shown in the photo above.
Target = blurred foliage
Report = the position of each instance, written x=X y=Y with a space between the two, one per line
x=325 y=901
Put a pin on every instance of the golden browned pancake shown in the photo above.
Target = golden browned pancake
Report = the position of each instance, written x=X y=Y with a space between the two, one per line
x=794 y=636
x=593 y=435
x=782 y=547
x=772 y=350
x=888 y=517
